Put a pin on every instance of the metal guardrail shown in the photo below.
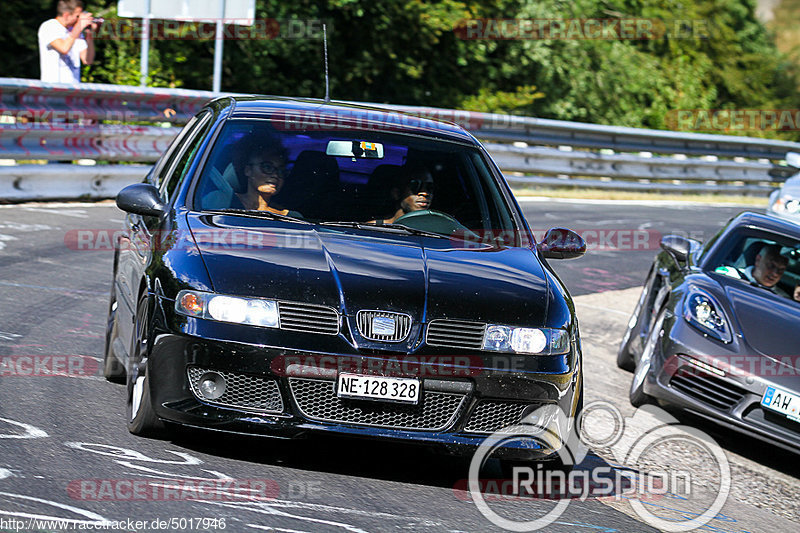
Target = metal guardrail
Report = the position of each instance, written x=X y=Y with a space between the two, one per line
x=48 y=182
x=60 y=122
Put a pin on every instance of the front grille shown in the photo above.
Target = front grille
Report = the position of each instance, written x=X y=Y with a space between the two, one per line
x=242 y=391
x=707 y=388
x=399 y=325
x=456 y=334
x=775 y=421
x=317 y=400
x=311 y=318
x=491 y=416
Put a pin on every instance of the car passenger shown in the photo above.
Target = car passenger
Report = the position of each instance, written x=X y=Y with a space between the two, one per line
x=413 y=192
x=264 y=167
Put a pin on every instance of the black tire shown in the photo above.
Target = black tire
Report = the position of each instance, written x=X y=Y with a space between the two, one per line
x=636 y=395
x=141 y=417
x=113 y=368
x=625 y=357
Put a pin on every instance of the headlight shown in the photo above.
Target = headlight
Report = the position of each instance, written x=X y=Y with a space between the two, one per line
x=705 y=314
x=786 y=205
x=250 y=311
x=542 y=341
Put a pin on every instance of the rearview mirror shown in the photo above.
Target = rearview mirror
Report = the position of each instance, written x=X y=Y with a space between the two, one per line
x=141 y=199
x=362 y=149
x=561 y=243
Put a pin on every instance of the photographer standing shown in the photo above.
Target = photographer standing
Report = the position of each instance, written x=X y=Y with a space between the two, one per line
x=65 y=41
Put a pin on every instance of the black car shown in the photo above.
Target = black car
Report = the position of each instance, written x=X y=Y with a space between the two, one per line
x=295 y=266
x=715 y=331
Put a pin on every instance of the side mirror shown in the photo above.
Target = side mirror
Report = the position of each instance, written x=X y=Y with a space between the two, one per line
x=793 y=159
x=561 y=243
x=679 y=247
x=141 y=199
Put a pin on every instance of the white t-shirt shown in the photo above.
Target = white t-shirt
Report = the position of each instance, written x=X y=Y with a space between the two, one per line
x=56 y=67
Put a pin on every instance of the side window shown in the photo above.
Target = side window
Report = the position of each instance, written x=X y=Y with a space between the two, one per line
x=164 y=162
x=177 y=168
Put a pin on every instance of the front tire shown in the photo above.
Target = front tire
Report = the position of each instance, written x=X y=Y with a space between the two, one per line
x=113 y=369
x=636 y=394
x=141 y=417
x=625 y=357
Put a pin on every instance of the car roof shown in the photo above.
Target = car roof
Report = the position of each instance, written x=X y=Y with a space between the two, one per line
x=315 y=113
x=767 y=222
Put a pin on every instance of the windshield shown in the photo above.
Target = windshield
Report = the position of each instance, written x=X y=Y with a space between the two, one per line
x=354 y=178
x=769 y=261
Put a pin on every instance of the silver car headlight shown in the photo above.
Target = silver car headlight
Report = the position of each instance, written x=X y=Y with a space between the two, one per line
x=539 y=341
x=703 y=312
x=250 y=311
x=786 y=205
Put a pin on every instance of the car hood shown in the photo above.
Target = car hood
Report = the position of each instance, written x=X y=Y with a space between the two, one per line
x=353 y=270
x=769 y=323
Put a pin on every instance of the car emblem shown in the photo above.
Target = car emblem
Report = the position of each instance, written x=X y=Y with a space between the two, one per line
x=383 y=325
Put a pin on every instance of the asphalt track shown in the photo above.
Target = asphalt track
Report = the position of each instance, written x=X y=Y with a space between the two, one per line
x=63 y=439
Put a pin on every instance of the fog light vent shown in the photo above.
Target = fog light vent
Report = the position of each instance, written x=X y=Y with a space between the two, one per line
x=237 y=391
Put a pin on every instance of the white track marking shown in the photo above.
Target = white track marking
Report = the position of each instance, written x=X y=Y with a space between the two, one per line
x=604 y=309
x=21 y=226
x=77 y=213
x=68 y=205
x=4 y=239
x=4 y=473
x=31 y=432
x=131 y=455
x=6 y=336
x=268 y=509
x=282 y=529
x=159 y=474
x=92 y=517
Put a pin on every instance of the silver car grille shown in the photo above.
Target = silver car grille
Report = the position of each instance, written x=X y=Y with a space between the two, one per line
x=491 y=416
x=456 y=334
x=311 y=318
x=369 y=323
x=242 y=391
x=316 y=399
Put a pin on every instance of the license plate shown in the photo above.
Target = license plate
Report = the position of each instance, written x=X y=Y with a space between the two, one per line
x=405 y=390
x=783 y=402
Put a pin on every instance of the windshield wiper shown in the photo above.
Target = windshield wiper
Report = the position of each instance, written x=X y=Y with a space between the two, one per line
x=259 y=214
x=392 y=228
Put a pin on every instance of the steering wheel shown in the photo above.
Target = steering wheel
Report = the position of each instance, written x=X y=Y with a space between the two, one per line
x=435 y=222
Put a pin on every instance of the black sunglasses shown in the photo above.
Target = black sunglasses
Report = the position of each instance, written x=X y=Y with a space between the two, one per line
x=417 y=185
x=268 y=168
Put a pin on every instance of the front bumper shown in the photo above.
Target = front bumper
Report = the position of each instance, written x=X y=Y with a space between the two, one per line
x=285 y=391
x=731 y=393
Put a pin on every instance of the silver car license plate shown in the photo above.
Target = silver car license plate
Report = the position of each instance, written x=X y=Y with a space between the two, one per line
x=405 y=390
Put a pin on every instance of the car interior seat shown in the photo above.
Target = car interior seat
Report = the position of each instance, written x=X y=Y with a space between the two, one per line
x=311 y=186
